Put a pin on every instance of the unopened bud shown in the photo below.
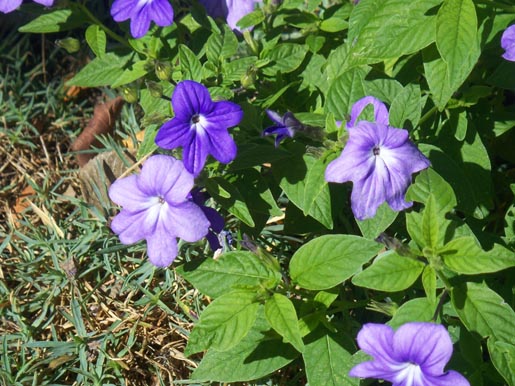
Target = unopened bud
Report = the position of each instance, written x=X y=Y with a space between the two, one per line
x=154 y=88
x=71 y=45
x=163 y=70
x=248 y=79
x=130 y=93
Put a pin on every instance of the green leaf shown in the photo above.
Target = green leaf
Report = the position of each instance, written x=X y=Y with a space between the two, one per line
x=221 y=46
x=55 y=21
x=386 y=90
x=429 y=182
x=256 y=356
x=464 y=255
x=503 y=358
x=406 y=107
x=437 y=77
x=344 y=91
x=284 y=58
x=133 y=72
x=231 y=270
x=456 y=37
x=327 y=361
x=224 y=323
x=97 y=40
x=330 y=260
x=387 y=29
x=429 y=283
x=280 y=313
x=482 y=310
x=432 y=231
x=227 y=195
x=372 y=227
x=101 y=71
x=389 y=272
x=191 y=67
x=251 y=19
x=414 y=310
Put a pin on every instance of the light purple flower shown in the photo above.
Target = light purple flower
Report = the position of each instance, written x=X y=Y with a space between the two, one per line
x=284 y=127
x=156 y=206
x=378 y=159
x=414 y=355
x=200 y=126
x=508 y=43
x=141 y=13
x=231 y=10
x=7 y=6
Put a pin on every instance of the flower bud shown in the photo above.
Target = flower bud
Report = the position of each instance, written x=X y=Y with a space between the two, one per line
x=155 y=89
x=130 y=93
x=248 y=79
x=163 y=70
x=71 y=45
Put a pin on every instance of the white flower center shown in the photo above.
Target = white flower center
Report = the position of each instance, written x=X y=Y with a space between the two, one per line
x=198 y=123
x=410 y=374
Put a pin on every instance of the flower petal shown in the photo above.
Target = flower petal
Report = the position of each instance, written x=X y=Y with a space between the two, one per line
x=7 y=6
x=186 y=220
x=275 y=117
x=46 y=3
x=451 y=378
x=140 y=21
x=508 y=43
x=236 y=9
x=122 y=10
x=195 y=153
x=224 y=114
x=173 y=134
x=380 y=110
x=125 y=192
x=166 y=177
x=190 y=98
x=161 y=12
x=426 y=344
x=222 y=147
x=161 y=247
x=129 y=226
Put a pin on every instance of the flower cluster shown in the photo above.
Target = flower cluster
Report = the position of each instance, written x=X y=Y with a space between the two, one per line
x=7 y=6
x=414 y=355
x=378 y=159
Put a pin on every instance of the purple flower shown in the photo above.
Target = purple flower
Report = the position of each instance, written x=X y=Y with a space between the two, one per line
x=216 y=221
x=200 y=126
x=414 y=355
x=141 y=13
x=231 y=10
x=157 y=207
x=508 y=43
x=378 y=159
x=284 y=127
x=7 y=6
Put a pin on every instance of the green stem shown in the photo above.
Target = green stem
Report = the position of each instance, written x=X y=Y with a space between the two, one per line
x=106 y=29
x=427 y=115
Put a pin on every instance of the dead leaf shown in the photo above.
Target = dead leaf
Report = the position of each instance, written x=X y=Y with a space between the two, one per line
x=102 y=122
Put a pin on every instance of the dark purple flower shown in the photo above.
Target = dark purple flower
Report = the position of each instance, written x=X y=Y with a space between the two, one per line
x=414 y=355
x=231 y=10
x=508 y=43
x=215 y=220
x=157 y=207
x=378 y=159
x=284 y=127
x=7 y=6
x=141 y=13
x=200 y=126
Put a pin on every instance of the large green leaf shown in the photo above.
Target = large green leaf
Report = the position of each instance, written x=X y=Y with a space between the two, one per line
x=464 y=255
x=55 y=21
x=101 y=71
x=97 y=40
x=344 y=91
x=285 y=57
x=414 y=310
x=387 y=29
x=190 y=65
x=256 y=356
x=280 y=313
x=221 y=46
x=456 y=37
x=327 y=361
x=503 y=358
x=389 y=272
x=372 y=227
x=482 y=310
x=231 y=270
x=406 y=107
x=331 y=259
x=224 y=323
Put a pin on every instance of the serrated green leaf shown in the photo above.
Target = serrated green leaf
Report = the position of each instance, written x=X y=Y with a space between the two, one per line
x=280 y=313
x=97 y=40
x=344 y=91
x=191 y=67
x=254 y=357
x=389 y=272
x=327 y=361
x=484 y=311
x=230 y=271
x=330 y=260
x=55 y=21
x=464 y=255
x=224 y=323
